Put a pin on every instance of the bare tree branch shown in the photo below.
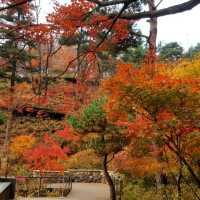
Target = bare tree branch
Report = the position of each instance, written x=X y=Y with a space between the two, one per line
x=112 y=25
x=159 y=3
x=110 y=3
x=159 y=13
x=14 y=5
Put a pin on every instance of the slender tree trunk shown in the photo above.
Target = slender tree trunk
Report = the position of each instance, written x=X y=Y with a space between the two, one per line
x=13 y=74
x=153 y=27
x=108 y=178
x=46 y=74
x=179 y=179
x=196 y=178
x=184 y=161
x=179 y=187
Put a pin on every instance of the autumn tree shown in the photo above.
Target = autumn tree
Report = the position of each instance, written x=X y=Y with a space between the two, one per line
x=100 y=135
x=13 y=52
x=114 y=17
x=13 y=41
x=162 y=107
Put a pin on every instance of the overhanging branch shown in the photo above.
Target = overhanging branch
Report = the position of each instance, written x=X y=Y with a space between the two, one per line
x=159 y=13
x=110 y=3
x=14 y=5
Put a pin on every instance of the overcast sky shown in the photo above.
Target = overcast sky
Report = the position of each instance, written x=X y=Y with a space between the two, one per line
x=183 y=28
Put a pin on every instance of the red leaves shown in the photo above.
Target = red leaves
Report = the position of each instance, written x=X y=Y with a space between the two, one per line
x=141 y=125
x=165 y=116
x=68 y=135
x=47 y=155
x=80 y=15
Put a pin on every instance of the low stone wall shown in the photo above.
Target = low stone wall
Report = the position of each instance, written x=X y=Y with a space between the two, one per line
x=86 y=176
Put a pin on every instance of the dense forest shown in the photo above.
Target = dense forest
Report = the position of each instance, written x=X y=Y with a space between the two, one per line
x=88 y=90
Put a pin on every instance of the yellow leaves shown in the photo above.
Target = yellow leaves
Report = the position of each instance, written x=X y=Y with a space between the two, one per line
x=86 y=159
x=185 y=68
x=21 y=143
x=90 y=136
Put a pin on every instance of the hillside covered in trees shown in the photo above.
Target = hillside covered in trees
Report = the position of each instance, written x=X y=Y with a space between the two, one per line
x=87 y=90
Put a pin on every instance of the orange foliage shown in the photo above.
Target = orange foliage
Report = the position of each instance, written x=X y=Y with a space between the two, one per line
x=151 y=107
x=142 y=166
x=69 y=19
x=21 y=143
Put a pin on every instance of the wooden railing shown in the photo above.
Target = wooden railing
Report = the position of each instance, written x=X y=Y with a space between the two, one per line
x=38 y=186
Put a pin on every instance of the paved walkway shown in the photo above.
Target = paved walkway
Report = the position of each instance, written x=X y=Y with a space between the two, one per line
x=82 y=191
x=89 y=191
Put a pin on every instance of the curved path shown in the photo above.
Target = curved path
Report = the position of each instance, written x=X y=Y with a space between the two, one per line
x=82 y=191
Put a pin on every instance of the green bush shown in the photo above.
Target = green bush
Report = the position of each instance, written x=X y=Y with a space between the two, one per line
x=138 y=189
x=92 y=116
x=2 y=118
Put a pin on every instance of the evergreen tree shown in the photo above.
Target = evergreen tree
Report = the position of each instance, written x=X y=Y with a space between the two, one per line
x=13 y=48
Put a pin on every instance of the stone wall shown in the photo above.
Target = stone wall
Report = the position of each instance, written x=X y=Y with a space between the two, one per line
x=82 y=175
x=86 y=176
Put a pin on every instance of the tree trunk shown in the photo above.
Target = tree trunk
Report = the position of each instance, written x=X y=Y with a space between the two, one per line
x=153 y=28
x=179 y=181
x=9 y=120
x=13 y=74
x=152 y=39
x=184 y=161
x=109 y=179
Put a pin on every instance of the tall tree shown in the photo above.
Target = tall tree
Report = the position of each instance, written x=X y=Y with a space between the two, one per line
x=13 y=51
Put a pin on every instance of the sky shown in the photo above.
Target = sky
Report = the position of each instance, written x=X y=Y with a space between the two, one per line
x=183 y=27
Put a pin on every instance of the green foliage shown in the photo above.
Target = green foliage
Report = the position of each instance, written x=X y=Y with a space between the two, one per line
x=74 y=122
x=171 y=52
x=2 y=73
x=2 y=118
x=92 y=116
x=94 y=112
x=134 y=55
x=141 y=189
x=136 y=190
